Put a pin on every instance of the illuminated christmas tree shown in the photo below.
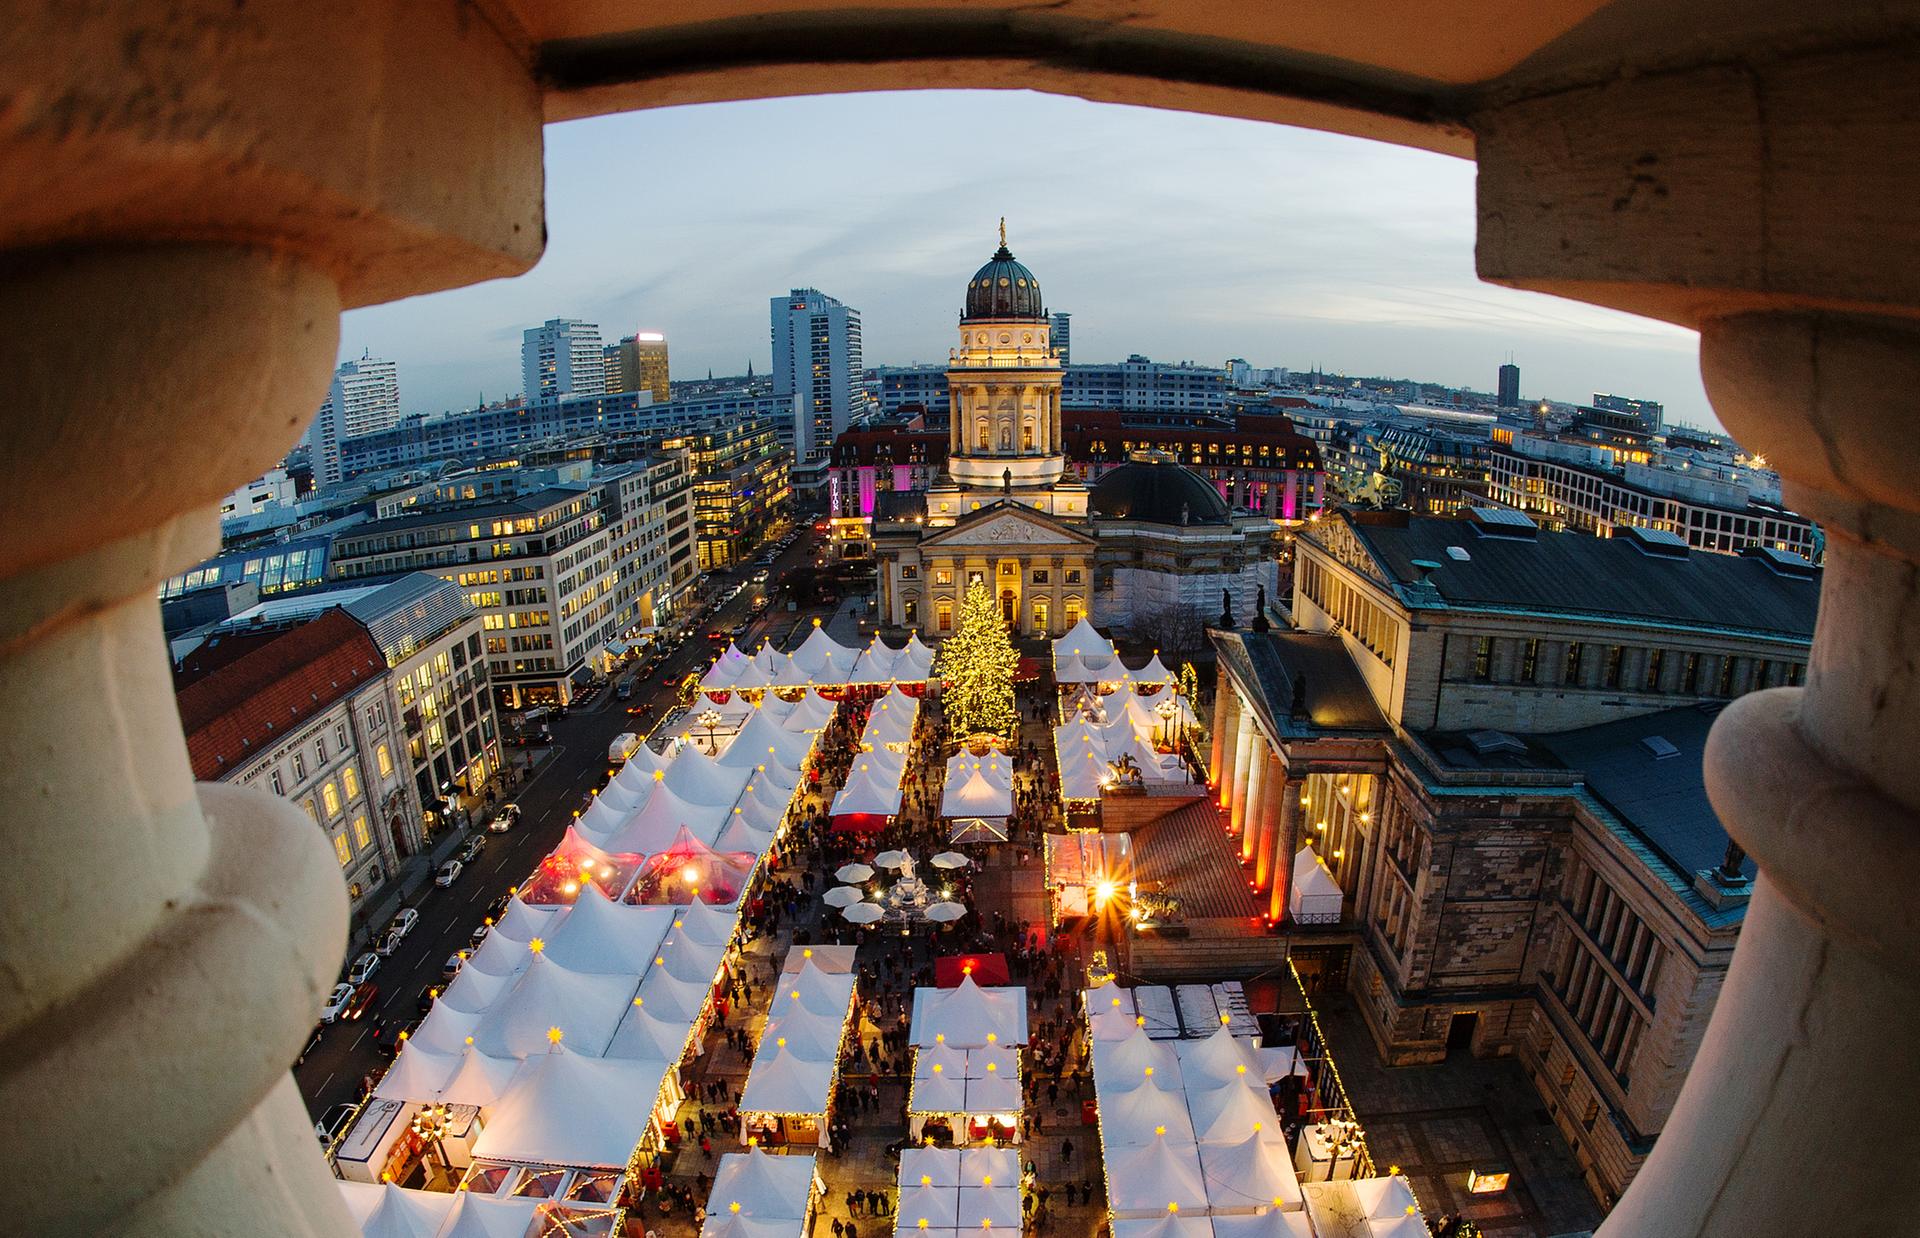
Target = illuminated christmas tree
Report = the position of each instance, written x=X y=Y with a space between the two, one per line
x=977 y=662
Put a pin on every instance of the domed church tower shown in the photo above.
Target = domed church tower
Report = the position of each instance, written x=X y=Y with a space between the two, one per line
x=1004 y=386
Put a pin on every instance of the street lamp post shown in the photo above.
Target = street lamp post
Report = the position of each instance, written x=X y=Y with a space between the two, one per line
x=710 y=718
x=431 y=1125
x=1167 y=709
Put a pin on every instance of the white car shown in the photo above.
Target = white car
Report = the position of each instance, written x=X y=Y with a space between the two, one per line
x=505 y=819
x=363 y=969
x=448 y=874
x=336 y=1002
x=404 y=922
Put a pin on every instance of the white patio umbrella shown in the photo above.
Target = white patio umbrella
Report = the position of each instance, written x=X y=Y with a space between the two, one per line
x=893 y=859
x=945 y=913
x=951 y=859
x=843 y=896
x=854 y=874
x=862 y=913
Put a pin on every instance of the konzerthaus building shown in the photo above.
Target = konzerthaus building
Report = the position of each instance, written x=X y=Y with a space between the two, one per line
x=1491 y=737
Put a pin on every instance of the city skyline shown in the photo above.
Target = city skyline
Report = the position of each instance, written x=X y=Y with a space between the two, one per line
x=1382 y=282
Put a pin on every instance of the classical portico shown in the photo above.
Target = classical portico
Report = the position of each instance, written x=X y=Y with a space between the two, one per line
x=1039 y=568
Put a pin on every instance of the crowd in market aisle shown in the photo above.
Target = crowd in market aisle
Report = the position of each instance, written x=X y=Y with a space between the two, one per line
x=1064 y=1187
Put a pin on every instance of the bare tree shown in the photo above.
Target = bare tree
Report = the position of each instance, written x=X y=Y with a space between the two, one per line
x=1174 y=630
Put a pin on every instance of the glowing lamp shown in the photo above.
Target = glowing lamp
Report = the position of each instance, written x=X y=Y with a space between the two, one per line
x=554 y=1035
x=735 y=1206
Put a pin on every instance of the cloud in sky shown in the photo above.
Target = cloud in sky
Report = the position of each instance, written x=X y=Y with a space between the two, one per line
x=1180 y=237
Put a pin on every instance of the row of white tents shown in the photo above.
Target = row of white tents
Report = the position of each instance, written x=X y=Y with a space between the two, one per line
x=872 y=790
x=977 y=797
x=966 y=1059
x=945 y=1191
x=819 y=660
x=1123 y=726
x=1085 y=656
x=558 y=1042
x=797 y=1058
x=1189 y=1133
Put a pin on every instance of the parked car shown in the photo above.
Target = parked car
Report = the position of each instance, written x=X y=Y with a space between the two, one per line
x=428 y=996
x=337 y=1002
x=362 y=998
x=388 y=1037
x=498 y=907
x=404 y=921
x=363 y=968
x=505 y=819
x=388 y=943
x=760 y=577
x=475 y=845
x=480 y=934
x=313 y=1042
x=448 y=874
x=334 y=1122
x=451 y=968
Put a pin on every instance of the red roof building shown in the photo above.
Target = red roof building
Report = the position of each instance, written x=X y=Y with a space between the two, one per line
x=238 y=694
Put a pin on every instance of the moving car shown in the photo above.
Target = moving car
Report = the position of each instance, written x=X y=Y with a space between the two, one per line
x=334 y=1121
x=362 y=998
x=388 y=943
x=505 y=819
x=337 y=1002
x=473 y=848
x=448 y=874
x=363 y=968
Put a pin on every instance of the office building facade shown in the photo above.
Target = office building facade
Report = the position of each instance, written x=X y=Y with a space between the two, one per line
x=1509 y=393
x=817 y=363
x=741 y=488
x=562 y=358
x=364 y=399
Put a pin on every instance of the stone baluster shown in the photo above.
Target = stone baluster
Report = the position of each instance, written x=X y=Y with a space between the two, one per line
x=189 y=194
x=1761 y=200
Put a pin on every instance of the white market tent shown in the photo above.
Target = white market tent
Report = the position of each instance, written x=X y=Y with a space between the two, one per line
x=1083 y=656
x=764 y=742
x=1250 y=1176
x=871 y=789
x=798 y=1055
x=766 y=1187
x=1169 y=1225
x=565 y=1108
x=480 y=1080
x=701 y=780
x=1316 y=897
x=811 y=713
x=1231 y=1112
x=726 y=668
x=890 y=722
x=476 y=1215
x=1144 y=1114
x=881 y=663
x=1220 y=1058
x=401 y=1213
x=653 y=827
x=968 y=1016
x=978 y=797
x=417 y=1073
x=786 y=1083
x=585 y=1009
x=1155 y=1179
x=605 y=937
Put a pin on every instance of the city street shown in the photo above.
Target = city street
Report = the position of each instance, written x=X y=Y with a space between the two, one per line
x=348 y=1052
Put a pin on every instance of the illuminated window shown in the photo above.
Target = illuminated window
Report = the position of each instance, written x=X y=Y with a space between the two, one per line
x=330 y=796
x=384 y=760
x=944 y=616
x=341 y=849
x=351 y=778
x=361 y=838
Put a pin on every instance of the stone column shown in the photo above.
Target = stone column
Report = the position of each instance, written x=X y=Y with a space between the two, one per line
x=1286 y=842
x=1243 y=756
x=1247 y=805
x=1755 y=199
x=188 y=197
x=1226 y=729
x=1280 y=787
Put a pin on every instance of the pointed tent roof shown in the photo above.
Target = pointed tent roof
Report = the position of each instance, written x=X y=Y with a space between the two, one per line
x=707 y=925
x=918 y=656
x=979 y=1164
x=418 y=1073
x=939 y=1094
x=489 y=1216
x=603 y=937
x=585 y=1007
x=1155 y=671
x=1083 y=640
x=966 y=1015
x=786 y=1083
x=751 y=677
x=664 y=995
x=889 y=722
x=444 y=1030
x=475 y=988
x=653 y=828
x=766 y=1187
x=1142 y=1180
x=725 y=669
x=565 y=1108
x=997 y=1204
x=645 y=1035
x=824 y=659
x=1219 y=1058
x=867 y=790
x=938 y=1206
x=943 y=1165
x=741 y=836
x=699 y=779
x=1253 y=1173
x=1143 y=1115
x=951 y=1061
x=763 y=741
x=1383 y=1199
x=875 y=663
x=479 y=1080
x=522 y=921
x=821 y=992
x=810 y=1037
x=994 y=1093
x=1231 y=1112
x=977 y=798
x=402 y=1213
x=1122 y=1063
x=811 y=713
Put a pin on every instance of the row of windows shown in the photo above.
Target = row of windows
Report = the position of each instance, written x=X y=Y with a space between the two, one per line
x=1596 y=1001
x=1631 y=668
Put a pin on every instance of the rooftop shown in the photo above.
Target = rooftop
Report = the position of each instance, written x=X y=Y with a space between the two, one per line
x=1315 y=666
x=242 y=692
x=1467 y=564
